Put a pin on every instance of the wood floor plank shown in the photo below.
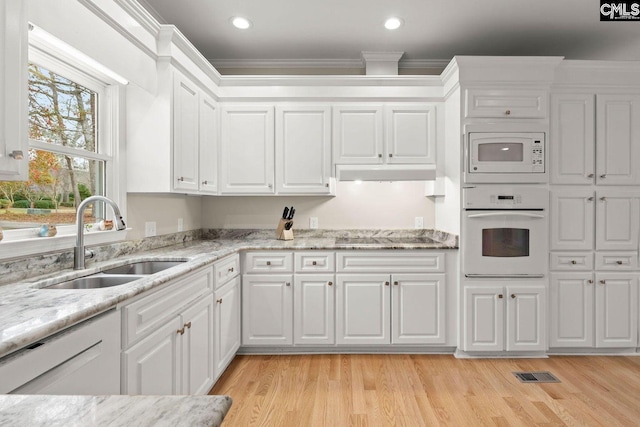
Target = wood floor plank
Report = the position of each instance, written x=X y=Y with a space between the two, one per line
x=371 y=390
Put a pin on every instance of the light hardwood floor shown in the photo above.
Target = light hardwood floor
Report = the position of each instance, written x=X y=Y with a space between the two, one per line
x=429 y=390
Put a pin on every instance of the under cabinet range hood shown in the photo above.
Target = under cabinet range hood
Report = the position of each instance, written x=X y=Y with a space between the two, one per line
x=385 y=172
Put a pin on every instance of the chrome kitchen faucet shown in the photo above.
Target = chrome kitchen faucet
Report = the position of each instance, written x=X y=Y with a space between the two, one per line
x=79 y=252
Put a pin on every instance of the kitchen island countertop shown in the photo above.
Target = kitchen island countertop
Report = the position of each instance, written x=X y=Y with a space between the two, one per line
x=113 y=411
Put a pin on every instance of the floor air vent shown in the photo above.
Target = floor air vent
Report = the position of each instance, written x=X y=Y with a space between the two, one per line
x=536 y=377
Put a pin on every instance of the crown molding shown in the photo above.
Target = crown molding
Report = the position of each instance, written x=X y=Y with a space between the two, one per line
x=320 y=63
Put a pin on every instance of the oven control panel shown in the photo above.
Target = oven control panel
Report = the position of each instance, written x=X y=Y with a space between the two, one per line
x=505 y=197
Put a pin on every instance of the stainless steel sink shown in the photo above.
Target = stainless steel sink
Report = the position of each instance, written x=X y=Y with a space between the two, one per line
x=143 y=267
x=95 y=281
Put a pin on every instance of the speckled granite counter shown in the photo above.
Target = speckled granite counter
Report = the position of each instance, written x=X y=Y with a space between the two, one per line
x=29 y=313
x=112 y=411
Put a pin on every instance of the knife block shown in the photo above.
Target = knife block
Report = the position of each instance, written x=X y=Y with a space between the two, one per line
x=281 y=233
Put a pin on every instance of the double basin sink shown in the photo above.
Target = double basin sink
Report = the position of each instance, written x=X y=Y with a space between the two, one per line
x=117 y=275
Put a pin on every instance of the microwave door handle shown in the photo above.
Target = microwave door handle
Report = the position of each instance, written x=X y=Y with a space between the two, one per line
x=495 y=214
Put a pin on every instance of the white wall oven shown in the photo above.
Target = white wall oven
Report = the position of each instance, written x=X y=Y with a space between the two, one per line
x=504 y=232
x=497 y=157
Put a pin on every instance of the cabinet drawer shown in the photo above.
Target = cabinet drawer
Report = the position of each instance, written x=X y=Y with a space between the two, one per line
x=506 y=103
x=389 y=262
x=314 y=262
x=616 y=261
x=268 y=262
x=571 y=261
x=146 y=314
x=226 y=269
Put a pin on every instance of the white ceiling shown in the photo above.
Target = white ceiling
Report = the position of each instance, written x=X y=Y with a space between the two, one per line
x=337 y=31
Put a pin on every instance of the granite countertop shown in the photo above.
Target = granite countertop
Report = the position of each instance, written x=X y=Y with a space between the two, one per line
x=113 y=411
x=29 y=313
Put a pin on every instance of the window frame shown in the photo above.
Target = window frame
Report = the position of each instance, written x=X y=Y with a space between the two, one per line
x=56 y=56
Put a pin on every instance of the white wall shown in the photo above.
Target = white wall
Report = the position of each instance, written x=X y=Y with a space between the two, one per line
x=164 y=209
x=389 y=205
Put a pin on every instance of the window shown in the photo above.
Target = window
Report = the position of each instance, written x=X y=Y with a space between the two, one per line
x=64 y=161
x=75 y=135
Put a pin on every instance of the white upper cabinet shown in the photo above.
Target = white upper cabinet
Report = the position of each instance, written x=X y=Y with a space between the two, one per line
x=594 y=139
x=173 y=141
x=410 y=134
x=247 y=149
x=303 y=149
x=358 y=134
x=14 y=144
x=581 y=218
x=506 y=103
x=185 y=134
x=384 y=134
x=617 y=136
x=208 y=164
x=572 y=139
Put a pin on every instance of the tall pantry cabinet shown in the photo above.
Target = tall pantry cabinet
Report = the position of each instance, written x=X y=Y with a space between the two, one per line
x=595 y=211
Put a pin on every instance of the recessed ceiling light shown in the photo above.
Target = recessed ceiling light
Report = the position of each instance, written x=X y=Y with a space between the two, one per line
x=240 y=22
x=393 y=23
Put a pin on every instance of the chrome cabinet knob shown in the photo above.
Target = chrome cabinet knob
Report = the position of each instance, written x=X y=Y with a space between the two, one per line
x=603 y=282
x=380 y=155
x=590 y=175
x=574 y=262
x=603 y=199
x=507 y=113
x=590 y=199
x=619 y=262
x=590 y=281
x=604 y=175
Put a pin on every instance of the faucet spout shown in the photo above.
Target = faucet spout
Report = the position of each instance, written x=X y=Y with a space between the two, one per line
x=79 y=251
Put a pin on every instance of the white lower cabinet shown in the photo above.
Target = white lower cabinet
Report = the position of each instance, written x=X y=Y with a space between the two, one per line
x=362 y=309
x=418 y=308
x=594 y=310
x=226 y=324
x=267 y=309
x=314 y=309
x=177 y=358
x=390 y=309
x=504 y=318
x=168 y=338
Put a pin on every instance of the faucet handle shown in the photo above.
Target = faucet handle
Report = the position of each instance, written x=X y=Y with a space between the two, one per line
x=88 y=253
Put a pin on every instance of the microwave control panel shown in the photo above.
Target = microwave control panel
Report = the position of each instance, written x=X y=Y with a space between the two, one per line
x=537 y=156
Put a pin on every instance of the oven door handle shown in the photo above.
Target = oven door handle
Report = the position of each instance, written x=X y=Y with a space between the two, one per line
x=504 y=276
x=495 y=214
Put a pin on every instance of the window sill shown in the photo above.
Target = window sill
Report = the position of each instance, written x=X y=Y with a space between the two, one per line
x=25 y=242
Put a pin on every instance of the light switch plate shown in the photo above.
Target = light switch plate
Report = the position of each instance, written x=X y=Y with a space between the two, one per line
x=419 y=223
x=149 y=229
x=313 y=222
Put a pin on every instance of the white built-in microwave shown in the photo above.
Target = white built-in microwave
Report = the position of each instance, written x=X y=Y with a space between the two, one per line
x=505 y=157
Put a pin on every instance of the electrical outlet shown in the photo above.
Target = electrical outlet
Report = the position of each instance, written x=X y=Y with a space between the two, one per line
x=419 y=222
x=149 y=229
x=180 y=224
x=313 y=222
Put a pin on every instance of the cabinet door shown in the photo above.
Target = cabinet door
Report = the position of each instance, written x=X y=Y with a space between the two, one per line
x=267 y=309
x=357 y=134
x=13 y=91
x=303 y=149
x=483 y=318
x=572 y=219
x=208 y=145
x=507 y=103
x=153 y=365
x=526 y=318
x=197 y=347
x=617 y=224
x=571 y=312
x=410 y=134
x=185 y=134
x=313 y=309
x=618 y=129
x=418 y=309
x=362 y=304
x=572 y=139
x=226 y=324
x=616 y=310
x=246 y=150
